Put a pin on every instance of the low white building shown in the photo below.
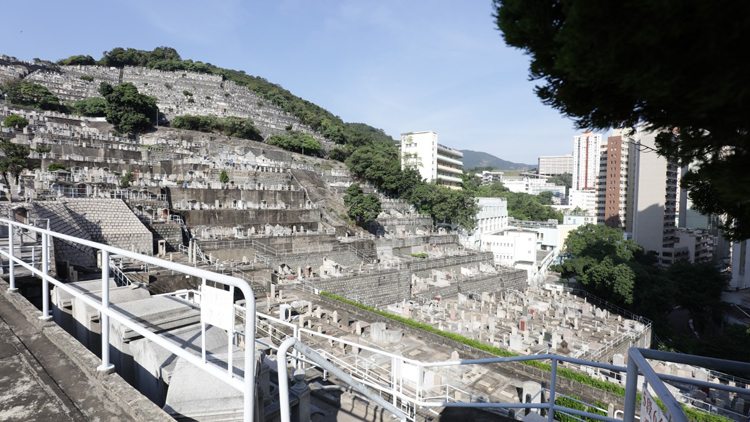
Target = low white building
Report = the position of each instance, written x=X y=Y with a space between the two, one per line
x=578 y=219
x=525 y=248
x=533 y=186
x=492 y=217
x=490 y=177
x=511 y=246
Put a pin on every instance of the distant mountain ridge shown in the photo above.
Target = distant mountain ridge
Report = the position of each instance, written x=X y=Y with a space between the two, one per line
x=474 y=159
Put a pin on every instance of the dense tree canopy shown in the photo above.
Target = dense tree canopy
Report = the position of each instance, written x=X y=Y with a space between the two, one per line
x=14 y=161
x=296 y=141
x=77 y=60
x=521 y=206
x=230 y=126
x=666 y=63
x=128 y=110
x=564 y=179
x=15 y=121
x=362 y=208
x=30 y=94
x=619 y=271
x=92 y=107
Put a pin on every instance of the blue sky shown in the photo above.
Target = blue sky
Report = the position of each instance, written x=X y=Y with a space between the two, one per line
x=396 y=65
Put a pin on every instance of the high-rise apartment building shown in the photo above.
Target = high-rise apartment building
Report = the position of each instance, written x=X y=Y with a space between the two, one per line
x=654 y=197
x=615 y=187
x=421 y=151
x=550 y=165
x=586 y=160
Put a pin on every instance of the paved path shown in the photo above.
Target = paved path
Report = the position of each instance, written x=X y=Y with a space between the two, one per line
x=38 y=382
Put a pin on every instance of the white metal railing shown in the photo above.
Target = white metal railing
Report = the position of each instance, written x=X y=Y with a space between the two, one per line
x=637 y=364
x=405 y=393
x=245 y=386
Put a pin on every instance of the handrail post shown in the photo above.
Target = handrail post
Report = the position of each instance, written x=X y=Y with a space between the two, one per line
x=552 y=384
x=11 y=262
x=631 y=388
x=45 y=274
x=104 y=318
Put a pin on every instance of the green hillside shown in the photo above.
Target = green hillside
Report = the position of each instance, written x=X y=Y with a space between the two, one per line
x=473 y=159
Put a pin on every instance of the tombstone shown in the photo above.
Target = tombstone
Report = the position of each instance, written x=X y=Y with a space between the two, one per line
x=345 y=319
x=531 y=392
x=285 y=312
x=452 y=312
x=618 y=359
x=406 y=310
x=335 y=317
x=739 y=405
x=516 y=342
x=380 y=334
x=454 y=355
x=162 y=247
x=523 y=324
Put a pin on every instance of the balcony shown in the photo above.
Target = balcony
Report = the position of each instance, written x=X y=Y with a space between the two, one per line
x=448 y=178
x=449 y=160
x=450 y=169
x=448 y=151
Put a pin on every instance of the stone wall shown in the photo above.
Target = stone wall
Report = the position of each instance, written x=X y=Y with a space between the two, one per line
x=376 y=289
x=485 y=283
x=252 y=218
x=230 y=198
x=166 y=230
x=107 y=221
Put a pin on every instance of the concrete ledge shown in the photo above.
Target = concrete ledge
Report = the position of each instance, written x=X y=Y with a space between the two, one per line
x=113 y=386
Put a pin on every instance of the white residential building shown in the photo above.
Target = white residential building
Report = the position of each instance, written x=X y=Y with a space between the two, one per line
x=421 y=151
x=492 y=217
x=586 y=160
x=583 y=199
x=550 y=165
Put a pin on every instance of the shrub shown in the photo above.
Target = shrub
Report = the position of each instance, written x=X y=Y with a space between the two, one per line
x=55 y=167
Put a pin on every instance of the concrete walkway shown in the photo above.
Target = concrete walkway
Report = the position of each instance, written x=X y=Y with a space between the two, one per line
x=39 y=381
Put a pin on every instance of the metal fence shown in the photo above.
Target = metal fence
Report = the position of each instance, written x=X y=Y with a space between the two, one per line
x=245 y=386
